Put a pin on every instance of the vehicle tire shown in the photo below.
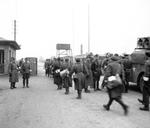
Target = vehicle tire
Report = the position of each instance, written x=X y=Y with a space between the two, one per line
x=141 y=83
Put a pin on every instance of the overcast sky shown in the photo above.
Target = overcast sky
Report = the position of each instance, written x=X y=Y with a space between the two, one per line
x=115 y=25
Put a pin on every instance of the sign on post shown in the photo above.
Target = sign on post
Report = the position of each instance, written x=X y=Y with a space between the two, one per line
x=63 y=46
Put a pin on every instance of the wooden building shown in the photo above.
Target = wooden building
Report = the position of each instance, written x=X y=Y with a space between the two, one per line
x=7 y=50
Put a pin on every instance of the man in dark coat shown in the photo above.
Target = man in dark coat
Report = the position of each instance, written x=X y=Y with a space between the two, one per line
x=65 y=76
x=127 y=65
x=146 y=87
x=88 y=74
x=114 y=87
x=96 y=70
x=79 y=77
x=57 y=67
x=25 y=70
x=13 y=73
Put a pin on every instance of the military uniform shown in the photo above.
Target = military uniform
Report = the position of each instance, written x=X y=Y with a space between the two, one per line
x=25 y=70
x=13 y=73
x=47 y=68
x=66 y=77
x=114 y=88
x=57 y=67
x=146 y=87
x=127 y=65
x=96 y=70
x=88 y=75
x=79 y=77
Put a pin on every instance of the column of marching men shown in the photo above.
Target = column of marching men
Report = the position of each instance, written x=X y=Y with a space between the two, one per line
x=86 y=74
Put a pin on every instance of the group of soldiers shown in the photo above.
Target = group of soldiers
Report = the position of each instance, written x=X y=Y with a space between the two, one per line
x=14 y=68
x=86 y=73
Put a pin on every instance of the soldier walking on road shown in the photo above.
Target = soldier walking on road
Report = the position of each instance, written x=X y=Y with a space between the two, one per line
x=146 y=87
x=13 y=73
x=96 y=70
x=57 y=67
x=88 y=74
x=79 y=78
x=127 y=64
x=25 y=70
x=114 y=87
x=66 y=77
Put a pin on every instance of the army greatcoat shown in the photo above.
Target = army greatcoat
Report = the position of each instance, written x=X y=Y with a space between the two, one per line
x=57 y=77
x=13 y=72
x=25 y=70
x=114 y=89
x=88 y=75
x=146 y=87
x=66 y=77
x=79 y=77
x=96 y=70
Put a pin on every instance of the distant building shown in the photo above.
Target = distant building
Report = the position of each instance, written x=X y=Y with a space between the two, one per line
x=7 y=50
x=33 y=64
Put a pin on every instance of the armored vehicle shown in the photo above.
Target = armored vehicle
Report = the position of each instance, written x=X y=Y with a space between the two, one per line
x=138 y=59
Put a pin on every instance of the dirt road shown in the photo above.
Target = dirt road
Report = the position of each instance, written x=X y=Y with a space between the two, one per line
x=42 y=106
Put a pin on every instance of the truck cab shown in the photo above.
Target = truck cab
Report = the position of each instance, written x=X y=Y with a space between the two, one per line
x=138 y=58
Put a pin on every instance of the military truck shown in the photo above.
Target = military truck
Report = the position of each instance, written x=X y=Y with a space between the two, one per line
x=138 y=59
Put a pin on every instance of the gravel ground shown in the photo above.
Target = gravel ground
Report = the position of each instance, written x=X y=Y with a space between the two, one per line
x=42 y=106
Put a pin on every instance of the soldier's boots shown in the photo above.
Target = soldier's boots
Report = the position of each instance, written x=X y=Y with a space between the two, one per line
x=87 y=91
x=14 y=85
x=95 y=89
x=145 y=108
x=26 y=85
x=106 y=107
x=23 y=85
x=98 y=89
x=79 y=95
x=11 y=87
x=126 y=110
x=125 y=107
x=141 y=101
x=59 y=87
x=67 y=91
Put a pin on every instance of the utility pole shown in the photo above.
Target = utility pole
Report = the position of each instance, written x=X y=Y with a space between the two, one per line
x=14 y=30
x=81 y=49
x=88 y=28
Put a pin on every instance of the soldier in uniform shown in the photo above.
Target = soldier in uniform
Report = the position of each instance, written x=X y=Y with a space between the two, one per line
x=45 y=67
x=66 y=77
x=127 y=65
x=25 y=70
x=96 y=70
x=114 y=87
x=146 y=87
x=48 y=69
x=88 y=74
x=13 y=73
x=79 y=78
x=57 y=67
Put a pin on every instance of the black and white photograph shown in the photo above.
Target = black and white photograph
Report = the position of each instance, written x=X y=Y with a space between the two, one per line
x=74 y=63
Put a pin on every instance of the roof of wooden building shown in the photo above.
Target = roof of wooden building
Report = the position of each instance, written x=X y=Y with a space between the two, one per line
x=11 y=43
